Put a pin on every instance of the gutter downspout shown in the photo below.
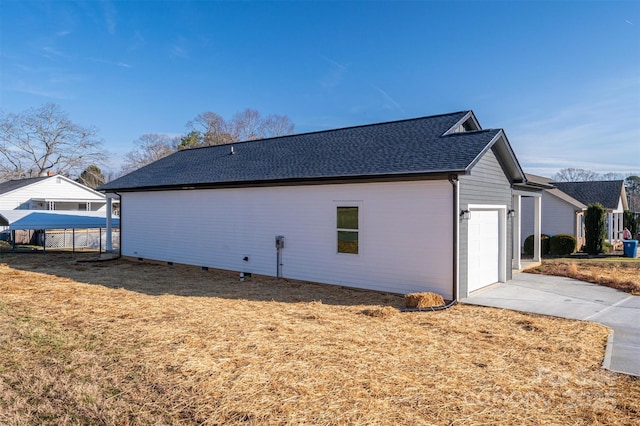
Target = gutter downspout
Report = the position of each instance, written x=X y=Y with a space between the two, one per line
x=453 y=180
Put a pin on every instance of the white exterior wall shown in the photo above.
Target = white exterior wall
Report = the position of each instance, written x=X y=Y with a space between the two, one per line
x=55 y=188
x=558 y=217
x=405 y=232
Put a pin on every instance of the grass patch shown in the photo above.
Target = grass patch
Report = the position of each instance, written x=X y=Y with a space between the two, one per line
x=611 y=272
x=138 y=343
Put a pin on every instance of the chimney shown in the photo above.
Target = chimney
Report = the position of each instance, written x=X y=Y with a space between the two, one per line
x=50 y=173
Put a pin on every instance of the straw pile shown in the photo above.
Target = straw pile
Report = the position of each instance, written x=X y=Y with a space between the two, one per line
x=129 y=343
x=423 y=300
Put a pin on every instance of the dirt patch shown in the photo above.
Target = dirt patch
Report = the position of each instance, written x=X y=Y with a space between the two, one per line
x=129 y=343
x=622 y=275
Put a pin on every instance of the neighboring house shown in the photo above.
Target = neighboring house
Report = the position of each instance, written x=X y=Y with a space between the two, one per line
x=69 y=204
x=565 y=204
x=427 y=204
x=49 y=193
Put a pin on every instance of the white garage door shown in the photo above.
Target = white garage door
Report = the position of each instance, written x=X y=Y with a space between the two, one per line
x=484 y=248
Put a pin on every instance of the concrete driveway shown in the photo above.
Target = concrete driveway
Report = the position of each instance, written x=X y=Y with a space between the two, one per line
x=569 y=298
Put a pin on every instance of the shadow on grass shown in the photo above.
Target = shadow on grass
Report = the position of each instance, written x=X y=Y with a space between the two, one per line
x=156 y=279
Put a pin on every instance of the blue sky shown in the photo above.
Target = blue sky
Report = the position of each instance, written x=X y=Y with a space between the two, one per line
x=561 y=77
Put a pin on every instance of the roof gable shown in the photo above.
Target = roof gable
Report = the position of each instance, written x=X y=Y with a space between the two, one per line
x=415 y=147
x=607 y=193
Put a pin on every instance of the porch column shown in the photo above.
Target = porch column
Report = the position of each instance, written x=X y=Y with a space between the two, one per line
x=108 y=237
x=515 y=262
x=620 y=225
x=537 y=226
x=610 y=227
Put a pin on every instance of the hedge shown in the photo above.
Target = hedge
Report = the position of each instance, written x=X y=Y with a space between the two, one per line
x=544 y=247
x=562 y=244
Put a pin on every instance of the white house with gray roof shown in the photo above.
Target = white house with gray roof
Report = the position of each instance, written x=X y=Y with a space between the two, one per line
x=427 y=204
x=55 y=192
x=565 y=204
x=34 y=207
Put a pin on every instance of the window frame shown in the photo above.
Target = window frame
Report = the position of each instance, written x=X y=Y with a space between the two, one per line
x=358 y=231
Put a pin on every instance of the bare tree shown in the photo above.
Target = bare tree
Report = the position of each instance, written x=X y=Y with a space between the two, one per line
x=277 y=125
x=149 y=147
x=246 y=125
x=209 y=128
x=38 y=140
x=206 y=129
x=613 y=176
x=575 y=175
x=249 y=125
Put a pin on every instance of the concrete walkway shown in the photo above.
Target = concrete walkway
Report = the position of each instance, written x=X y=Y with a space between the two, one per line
x=568 y=298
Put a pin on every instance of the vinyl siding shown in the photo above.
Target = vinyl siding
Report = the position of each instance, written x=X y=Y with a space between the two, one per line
x=405 y=232
x=53 y=189
x=487 y=184
x=558 y=217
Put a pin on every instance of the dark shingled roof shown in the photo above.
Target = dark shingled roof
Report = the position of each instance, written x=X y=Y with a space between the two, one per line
x=11 y=185
x=399 y=148
x=606 y=192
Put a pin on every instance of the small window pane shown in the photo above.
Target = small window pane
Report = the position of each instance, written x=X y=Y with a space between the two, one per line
x=348 y=217
x=347 y=242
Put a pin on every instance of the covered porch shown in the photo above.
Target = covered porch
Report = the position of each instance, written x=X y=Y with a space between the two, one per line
x=533 y=190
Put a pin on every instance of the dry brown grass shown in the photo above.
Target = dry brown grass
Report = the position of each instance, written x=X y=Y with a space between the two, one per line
x=619 y=274
x=127 y=343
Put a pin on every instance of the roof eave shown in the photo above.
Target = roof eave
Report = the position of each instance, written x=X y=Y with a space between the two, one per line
x=325 y=180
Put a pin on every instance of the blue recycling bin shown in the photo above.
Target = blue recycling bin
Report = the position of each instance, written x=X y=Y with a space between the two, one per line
x=630 y=248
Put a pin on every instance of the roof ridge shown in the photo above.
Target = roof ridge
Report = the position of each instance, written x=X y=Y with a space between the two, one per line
x=358 y=126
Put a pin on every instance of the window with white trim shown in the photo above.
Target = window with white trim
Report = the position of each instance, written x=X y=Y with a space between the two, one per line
x=348 y=229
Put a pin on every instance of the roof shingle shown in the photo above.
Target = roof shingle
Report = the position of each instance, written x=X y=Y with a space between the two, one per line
x=415 y=146
x=12 y=185
x=606 y=193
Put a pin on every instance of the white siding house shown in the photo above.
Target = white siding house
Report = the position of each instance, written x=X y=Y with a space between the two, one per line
x=414 y=205
x=229 y=225
x=33 y=207
x=49 y=193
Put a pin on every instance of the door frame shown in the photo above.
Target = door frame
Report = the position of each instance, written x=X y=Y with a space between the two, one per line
x=502 y=239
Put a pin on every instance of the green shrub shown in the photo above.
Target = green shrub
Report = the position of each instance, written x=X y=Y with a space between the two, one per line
x=562 y=244
x=595 y=228
x=607 y=248
x=544 y=245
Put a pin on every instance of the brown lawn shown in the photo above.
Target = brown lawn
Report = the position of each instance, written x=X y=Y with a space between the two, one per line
x=129 y=343
x=612 y=272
